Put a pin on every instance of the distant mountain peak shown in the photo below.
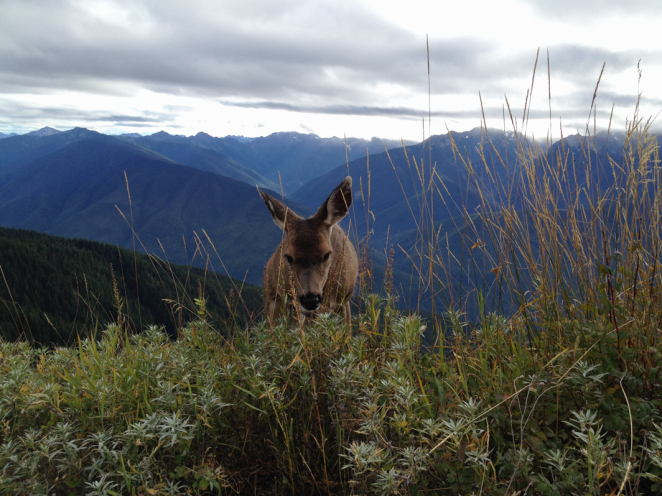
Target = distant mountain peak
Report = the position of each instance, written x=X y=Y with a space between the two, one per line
x=44 y=131
x=160 y=135
x=81 y=133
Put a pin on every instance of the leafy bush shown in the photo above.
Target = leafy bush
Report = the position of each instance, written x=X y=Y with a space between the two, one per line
x=323 y=410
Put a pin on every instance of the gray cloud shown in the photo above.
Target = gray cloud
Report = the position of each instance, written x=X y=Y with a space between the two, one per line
x=310 y=57
x=319 y=51
x=582 y=64
x=333 y=109
x=33 y=115
x=173 y=48
x=604 y=98
x=126 y=119
x=491 y=112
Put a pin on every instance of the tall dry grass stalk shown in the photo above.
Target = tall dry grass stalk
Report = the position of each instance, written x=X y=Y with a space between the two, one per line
x=574 y=236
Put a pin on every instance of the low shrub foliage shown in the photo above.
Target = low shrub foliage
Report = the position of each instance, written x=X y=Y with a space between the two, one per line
x=279 y=410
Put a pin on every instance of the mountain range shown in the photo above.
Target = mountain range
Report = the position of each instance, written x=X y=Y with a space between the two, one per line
x=192 y=199
x=77 y=184
x=284 y=160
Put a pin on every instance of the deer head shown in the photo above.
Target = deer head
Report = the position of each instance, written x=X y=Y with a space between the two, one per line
x=307 y=248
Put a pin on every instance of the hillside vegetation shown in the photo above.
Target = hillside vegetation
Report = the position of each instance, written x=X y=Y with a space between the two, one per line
x=54 y=290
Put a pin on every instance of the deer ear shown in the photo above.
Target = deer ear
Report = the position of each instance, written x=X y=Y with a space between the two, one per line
x=337 y=204
x=279 y=212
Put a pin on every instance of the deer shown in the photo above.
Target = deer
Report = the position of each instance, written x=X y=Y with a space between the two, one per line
x=315 y=266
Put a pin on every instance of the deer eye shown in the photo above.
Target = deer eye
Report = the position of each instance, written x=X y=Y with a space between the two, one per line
x=289 y=259
x=326 y=257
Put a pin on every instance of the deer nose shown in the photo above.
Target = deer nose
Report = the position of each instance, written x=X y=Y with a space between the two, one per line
x=311 y=301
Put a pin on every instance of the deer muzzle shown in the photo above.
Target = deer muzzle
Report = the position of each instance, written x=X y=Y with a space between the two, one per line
x=310 y=301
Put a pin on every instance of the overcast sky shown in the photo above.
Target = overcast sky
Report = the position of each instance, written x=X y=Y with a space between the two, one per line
x=355 y=68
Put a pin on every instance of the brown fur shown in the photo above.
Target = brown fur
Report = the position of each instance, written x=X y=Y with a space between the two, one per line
x=311 y=277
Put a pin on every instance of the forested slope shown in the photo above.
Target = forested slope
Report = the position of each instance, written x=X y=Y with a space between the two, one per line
x=54 y=288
